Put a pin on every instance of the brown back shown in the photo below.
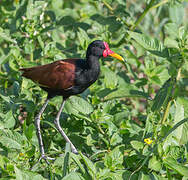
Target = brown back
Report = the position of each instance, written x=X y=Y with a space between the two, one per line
x=57 y=75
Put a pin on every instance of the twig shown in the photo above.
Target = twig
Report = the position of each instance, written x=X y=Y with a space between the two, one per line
x=133 y=27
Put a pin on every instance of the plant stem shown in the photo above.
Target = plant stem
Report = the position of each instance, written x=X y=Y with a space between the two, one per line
x=166 y=112
x=108 y=6
x=159 y=4
x=31 y=57
x=169 y=103
x=133 y=27
x=178 y=74
x=173 y=129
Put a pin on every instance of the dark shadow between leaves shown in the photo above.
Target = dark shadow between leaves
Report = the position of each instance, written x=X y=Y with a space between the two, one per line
x=103 y=93
x=37 y=53
x=124 y=76
x=164 y=53
x=66 y=21
x=111 y=21
x=140 y=94
x=69 y=23
x=52 y=15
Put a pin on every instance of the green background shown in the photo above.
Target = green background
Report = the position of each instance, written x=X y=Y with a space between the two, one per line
x=110 y=122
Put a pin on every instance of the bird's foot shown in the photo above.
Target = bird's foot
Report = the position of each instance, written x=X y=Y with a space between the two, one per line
x=74 y=150
x=46 y=158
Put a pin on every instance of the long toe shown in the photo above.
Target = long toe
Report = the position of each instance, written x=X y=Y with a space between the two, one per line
x=46 y=158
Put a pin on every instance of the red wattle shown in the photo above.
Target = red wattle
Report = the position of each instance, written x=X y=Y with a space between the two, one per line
x=107 y=51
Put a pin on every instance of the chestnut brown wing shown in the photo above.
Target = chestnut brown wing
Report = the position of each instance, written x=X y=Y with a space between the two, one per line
x=57 y=75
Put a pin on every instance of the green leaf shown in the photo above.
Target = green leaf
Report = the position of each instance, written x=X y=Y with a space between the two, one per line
x=10 y=143
x=127 y=91
x=154 y=164
x=3 y=161
x=110 y=78
x=11 y=139
x=172 y=30
x=171 y=43
x=173 y=164
x=176 y=12
x=90 y=166
x=66 y=159
x=40 y=42
x=115 y=139
x=5 y=58
x=157 y=176
x=29 y=132
x=155 y=79
x=108 y=161
x=137 y=145
x=183 y=101
x=119 y=117
x=162 y=95
x=29 y=48
x=16 y=88
x=147 y=42
x=83 y=38
x=77 y=104
x=114 y=159
x=77 y=161
x=181 y=132
x=35 y=9
x=179 y=115
x=143 y=176
x=6 y=37
x=27 y=175
x=183 y=32
x=7 y=121
x=73 y=176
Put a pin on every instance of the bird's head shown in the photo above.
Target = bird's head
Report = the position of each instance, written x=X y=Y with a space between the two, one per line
x=101 y=49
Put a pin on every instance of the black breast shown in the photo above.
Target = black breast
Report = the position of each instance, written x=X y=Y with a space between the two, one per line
x=84 y=75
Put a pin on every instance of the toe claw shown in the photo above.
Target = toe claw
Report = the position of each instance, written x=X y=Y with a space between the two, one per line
x=74 y=151
x=46 y=158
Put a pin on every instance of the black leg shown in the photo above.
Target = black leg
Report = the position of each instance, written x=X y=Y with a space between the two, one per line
x=39 y=136
x=57 y=124
x=37 y=125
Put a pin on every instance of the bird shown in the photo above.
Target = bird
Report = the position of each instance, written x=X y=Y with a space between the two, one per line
x=66 y=78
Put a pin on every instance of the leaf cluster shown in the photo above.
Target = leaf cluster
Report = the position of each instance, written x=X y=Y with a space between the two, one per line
x=130 y=124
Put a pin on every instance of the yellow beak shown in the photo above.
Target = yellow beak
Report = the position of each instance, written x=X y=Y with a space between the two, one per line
x=117 y=56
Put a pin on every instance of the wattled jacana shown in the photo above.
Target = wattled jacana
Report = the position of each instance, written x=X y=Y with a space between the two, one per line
x=66 y=78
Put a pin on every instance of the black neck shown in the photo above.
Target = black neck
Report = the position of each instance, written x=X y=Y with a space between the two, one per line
x=92 y=61
x=93 y=67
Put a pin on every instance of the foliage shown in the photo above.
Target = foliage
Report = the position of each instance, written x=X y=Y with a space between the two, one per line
x=130 y=124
